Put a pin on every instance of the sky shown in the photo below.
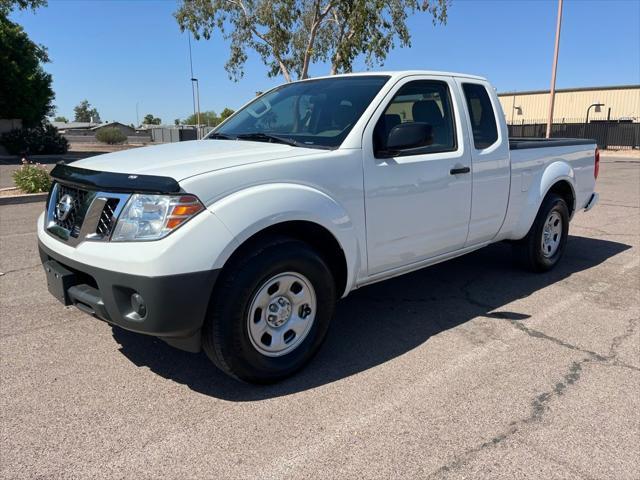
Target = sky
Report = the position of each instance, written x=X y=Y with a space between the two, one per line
x=121 y=53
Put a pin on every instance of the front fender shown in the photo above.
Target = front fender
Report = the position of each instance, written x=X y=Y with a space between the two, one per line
x=253 y=209
x=552 y=174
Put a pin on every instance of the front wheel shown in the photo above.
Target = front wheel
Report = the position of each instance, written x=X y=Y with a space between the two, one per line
x=544 y=245
x=270 y=312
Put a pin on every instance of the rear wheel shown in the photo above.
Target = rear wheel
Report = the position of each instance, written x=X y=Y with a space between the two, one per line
x=544 y=245
x=270 y=311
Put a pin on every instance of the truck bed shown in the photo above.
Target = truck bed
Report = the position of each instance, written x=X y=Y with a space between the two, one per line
x=520 y=143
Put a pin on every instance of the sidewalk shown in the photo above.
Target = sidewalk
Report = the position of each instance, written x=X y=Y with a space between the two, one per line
x=621 y=153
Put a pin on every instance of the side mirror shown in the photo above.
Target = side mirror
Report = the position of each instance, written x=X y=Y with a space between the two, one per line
x=407 y=136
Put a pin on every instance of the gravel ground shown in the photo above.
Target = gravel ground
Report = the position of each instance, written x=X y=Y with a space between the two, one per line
x=469 y=369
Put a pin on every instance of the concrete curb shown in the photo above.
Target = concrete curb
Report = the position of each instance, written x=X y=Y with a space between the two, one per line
x=27 y=198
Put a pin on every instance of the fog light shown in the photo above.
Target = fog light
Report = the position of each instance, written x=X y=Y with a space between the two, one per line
x=138 y=305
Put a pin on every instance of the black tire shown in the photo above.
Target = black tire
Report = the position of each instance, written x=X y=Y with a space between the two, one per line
x=528 y=252
x=225 y=336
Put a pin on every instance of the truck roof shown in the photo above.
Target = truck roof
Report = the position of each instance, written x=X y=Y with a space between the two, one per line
x=403 y=73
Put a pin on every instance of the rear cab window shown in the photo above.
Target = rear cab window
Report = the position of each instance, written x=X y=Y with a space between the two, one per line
x=481 y=114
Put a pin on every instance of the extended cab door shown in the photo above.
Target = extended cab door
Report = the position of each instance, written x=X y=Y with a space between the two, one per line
x=418 y=201
x=491 y=168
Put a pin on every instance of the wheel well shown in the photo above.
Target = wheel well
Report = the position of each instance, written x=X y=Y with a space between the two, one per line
x=563 y=188
x=316 y=236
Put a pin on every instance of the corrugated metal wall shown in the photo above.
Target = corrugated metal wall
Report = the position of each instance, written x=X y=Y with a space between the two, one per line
x=571 y=106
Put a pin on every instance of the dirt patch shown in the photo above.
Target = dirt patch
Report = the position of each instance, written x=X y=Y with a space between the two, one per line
x=100 y=147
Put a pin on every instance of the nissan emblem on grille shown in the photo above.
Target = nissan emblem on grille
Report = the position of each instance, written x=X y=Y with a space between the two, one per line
x=64 y=207
x=72 y=210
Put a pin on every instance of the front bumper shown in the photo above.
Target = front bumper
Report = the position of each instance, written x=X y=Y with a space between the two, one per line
x=175 y=306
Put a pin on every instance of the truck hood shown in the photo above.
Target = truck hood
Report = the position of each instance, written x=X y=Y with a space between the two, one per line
x=185 y=159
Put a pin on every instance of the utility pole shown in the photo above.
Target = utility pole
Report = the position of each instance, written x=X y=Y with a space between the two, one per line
x=554 y=68
x=137 y=116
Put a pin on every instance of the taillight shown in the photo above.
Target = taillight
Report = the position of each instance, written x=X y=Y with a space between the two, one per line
x=596 y=168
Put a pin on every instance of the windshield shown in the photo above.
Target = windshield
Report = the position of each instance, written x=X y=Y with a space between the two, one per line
x=315 y=113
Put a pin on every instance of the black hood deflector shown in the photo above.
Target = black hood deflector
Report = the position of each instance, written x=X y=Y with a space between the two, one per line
x=114 y=182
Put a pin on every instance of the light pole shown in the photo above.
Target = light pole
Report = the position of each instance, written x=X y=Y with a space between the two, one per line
x=597 y=105
x=554 y=68
x=137 y=116
x=193 y=91
x=195 y=81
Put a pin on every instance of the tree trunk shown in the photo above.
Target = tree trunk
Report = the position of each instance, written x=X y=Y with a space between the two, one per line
x=284 y=71
x=304 y=73
x=336 y=58
x=318 y=18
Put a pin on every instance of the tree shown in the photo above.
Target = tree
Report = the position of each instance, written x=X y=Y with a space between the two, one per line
x=209 y=118
x=84 y=112
x=149 y=119
x=290 y=35
x=7 y=6
x=226 y=113
x=61 y=119
x=176 y=121
x=25 y=88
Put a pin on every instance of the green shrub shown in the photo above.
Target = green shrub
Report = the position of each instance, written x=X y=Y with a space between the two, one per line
x=32 y=178
x=42 y=140
x=111 y=135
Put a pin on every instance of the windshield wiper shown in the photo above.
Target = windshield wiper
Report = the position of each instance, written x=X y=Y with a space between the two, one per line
x=220 y=136
x=267 y=138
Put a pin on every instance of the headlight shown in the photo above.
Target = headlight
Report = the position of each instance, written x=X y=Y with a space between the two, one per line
x=151 y=217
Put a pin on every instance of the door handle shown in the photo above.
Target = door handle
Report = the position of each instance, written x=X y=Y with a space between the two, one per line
x=456 y=171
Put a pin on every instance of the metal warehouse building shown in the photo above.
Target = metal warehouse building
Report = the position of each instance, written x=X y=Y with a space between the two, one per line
x=618 y=103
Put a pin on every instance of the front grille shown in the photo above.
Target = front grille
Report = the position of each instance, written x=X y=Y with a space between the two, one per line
x=107 y=218
x=76 y=214
x=79 y=200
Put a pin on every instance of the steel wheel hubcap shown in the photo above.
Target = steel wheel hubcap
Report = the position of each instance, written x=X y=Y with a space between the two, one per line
x=281 y=314
x=551 y=234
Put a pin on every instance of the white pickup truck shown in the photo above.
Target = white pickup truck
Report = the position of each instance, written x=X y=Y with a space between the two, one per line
x=241 y=243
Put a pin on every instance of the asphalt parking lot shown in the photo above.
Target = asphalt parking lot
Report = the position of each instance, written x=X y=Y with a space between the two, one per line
x=469 y=369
